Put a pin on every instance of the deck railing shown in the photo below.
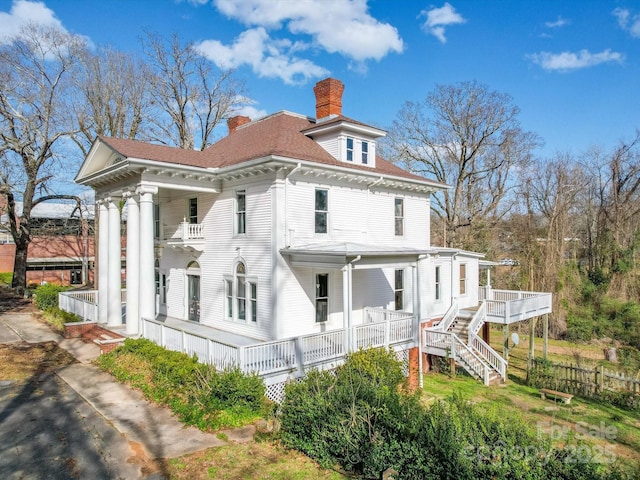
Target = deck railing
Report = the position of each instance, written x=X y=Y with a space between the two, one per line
x=373 y=315
x=449 y=317
x=508 y=306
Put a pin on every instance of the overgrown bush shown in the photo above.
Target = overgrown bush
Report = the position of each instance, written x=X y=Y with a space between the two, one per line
x=46 y=296
x=363 y=418
x=199 y=394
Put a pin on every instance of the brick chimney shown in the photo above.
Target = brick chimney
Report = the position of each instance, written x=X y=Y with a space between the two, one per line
x=328 y=98
x=234 y=122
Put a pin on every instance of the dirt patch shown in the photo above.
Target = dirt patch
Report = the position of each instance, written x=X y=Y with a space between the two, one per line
x=10 y=302
x=21 y=361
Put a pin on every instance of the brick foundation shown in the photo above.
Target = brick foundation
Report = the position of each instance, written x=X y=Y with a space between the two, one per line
x=414 y=368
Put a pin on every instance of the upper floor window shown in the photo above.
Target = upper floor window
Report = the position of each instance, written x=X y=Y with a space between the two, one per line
x=349 y=149
x=438 y=284
x=193 y=210
x=399 y=216
x=399 y=289
x=321 y=210
x=463 y=279
x=365 y=152
x=241 y=212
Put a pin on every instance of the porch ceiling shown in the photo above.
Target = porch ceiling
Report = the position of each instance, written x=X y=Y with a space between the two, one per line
x=338 y=254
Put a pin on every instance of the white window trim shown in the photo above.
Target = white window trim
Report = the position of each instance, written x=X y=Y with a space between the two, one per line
x=188 y=216
x=236 y=216
x=315 y=297
x=248 y=280
x=325 y=211
x=437 y=284
x=403 y=217
x=465 y=279
x=403 y=289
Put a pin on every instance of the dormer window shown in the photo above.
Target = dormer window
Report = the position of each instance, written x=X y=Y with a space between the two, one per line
x=365 y=153
x=349 y=149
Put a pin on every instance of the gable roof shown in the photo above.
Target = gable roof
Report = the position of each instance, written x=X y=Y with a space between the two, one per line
x=151 y=151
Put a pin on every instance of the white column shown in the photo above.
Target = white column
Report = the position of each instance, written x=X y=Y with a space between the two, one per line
x=346 y=312
x=103 y=260
x=133 y=264
x=147 y=302
x=114 y=287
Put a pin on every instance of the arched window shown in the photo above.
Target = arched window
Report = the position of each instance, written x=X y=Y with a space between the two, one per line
x=241 y=293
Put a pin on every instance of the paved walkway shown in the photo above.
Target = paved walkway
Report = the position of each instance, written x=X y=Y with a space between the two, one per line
x=80 y=423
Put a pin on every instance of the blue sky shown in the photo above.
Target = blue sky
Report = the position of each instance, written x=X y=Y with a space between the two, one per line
x=573 y=67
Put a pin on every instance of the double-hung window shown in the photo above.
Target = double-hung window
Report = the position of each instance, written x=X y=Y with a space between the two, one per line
x=321 y=210
x=399 y=289
x=241 y=212
x=156 y=221
x=349 y=149
x=463 y=279
x=399 y=216
x=438 y=284
x=365 y=153
x=322 y=297
x=193 y=210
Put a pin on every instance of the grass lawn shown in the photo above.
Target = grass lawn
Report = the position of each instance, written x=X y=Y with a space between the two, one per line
x=608 y=429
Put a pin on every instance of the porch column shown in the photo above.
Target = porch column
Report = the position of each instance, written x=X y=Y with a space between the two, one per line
x=114 y=315
x=133 y=264
x=147 y=294
x=346 y=305
x=416 y=300
x=103 y=260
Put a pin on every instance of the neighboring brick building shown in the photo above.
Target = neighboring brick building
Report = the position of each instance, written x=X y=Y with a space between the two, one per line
x=61 y=250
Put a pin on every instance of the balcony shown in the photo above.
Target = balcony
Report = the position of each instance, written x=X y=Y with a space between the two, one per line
x=508 y=306
x=185 y=236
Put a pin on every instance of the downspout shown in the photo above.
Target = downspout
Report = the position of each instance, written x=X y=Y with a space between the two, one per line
x=347 y=301
x=419 y=319
x=288 y=239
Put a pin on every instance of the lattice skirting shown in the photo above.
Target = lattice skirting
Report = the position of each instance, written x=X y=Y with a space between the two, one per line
x=275 y=385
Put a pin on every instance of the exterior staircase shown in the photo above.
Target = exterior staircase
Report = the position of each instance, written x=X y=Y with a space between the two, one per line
x=456 y=337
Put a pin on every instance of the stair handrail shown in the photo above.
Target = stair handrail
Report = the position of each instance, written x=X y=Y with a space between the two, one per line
x=493 y=358
x=478 y=319
x=449 y=317
x=484 y=373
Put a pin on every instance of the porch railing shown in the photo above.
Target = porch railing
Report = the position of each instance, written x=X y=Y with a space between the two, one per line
x=372 y=314
x=290 y=354
x=449 y=317
x=82 y=303
x=478 y=319
x=508 y=306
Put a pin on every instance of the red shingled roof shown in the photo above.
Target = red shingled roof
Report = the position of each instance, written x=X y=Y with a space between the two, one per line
x=280 y=134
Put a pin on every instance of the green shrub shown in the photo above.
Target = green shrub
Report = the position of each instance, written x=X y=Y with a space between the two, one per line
x=364 y=419
x=46 y=296
x=198 y=394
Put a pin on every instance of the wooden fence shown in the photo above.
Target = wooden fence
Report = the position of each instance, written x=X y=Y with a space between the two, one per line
x=588 y=382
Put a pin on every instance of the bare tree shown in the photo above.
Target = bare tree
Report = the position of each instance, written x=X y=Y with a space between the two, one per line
x=190 y=97
x=469 y=137
x=113 y=97
x=36 y=71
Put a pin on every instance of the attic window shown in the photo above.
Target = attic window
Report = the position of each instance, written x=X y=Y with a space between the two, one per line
x=365 y=153
x=349 y=149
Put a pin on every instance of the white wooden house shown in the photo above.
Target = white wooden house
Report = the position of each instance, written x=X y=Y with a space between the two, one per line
x=282 y=246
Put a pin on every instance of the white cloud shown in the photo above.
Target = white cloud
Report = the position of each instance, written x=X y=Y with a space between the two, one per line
x=267 y=57
x=560 y=22
x=567 y=61
x=22 y=13
x=337 y=26
x=628 y=21
x=245 y=106
x=439 y=18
